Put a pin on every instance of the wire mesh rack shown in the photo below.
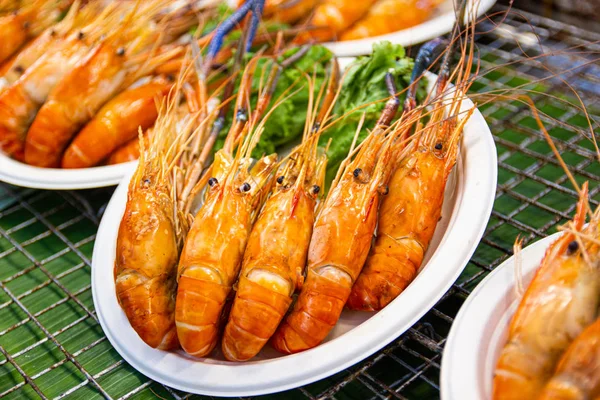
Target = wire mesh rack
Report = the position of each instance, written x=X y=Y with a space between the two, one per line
x=52 y=346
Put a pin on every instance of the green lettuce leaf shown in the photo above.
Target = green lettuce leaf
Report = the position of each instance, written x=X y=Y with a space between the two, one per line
x=365 y=83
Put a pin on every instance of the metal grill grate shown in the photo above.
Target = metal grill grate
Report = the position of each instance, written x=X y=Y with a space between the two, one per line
x=52 y=346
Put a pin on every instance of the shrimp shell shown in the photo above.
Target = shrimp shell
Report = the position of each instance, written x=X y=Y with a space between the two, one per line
x=408 y=217
x=212 y=255
x=387 y=16
x=578 y=373
x=561 y=301
x=332 y=17
x=130 y=151
x=146 y=262
x=73 y=101
x=20 y=102
x=116 y=123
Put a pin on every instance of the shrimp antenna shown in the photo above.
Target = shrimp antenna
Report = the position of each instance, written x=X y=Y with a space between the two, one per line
x=445 y=66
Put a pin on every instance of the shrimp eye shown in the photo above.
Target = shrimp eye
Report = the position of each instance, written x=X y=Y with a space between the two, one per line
x=212 y=182
x=19 y=69
x=357 y=172
x=26 y=25
x=146 y=181
x=438 y=146
x=170 y=78
x=241 y=115
x=245 y=187
x=121 y=51
x=280 y=179
x=383 y=190
x=573 y=246
x=80 y=35
x=316 y=189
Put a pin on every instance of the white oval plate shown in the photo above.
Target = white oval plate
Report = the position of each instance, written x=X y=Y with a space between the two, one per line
x=440 y=23
x=480 y=328
x=467 y=207
x=20 y=174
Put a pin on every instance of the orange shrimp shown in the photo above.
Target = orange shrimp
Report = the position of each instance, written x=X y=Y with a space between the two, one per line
x=561 y=301
x=7 y=6
x=212 y=254
x=117 y=122
x=26 y=23
x=387 y=16
x=410 y=212
x=340 y=240
x=577 y=375
x=275 y=255
x=14 y=68
x=20 y=102
x=151 y=236
x=130 y=151
x=289 y=11
x=82 y=92
x=332 y=17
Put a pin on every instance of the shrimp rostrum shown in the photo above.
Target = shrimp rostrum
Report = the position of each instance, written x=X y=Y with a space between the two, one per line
x=275 y=255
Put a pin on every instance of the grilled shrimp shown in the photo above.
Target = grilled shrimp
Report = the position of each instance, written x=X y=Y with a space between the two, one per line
x=561 y=301
x=341 y=239
x=577 y=375
x=116 y=123
x=275 y=255
x=82 y=92
x=332 y=17
x=26 y=23
x=387 y=16
x=130 y=151
x=289 y=11
x=20 y=102
x=148 y=244
x=410 y=212
x=212 y=254
x=76 y=18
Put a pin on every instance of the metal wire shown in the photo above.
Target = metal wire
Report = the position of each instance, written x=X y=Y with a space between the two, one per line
x=51 y=344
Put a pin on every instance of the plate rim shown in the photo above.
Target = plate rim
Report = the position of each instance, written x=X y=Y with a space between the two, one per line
x=427 y=30
x=448 y=374
x=20 y=174
x=481 y=208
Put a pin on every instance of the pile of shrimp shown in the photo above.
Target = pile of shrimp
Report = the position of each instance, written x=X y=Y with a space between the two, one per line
x=553 y=345
x=328 y=20
x=222 y=248
x=77 y=78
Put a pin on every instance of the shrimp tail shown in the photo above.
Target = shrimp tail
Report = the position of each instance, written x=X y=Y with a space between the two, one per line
x=149 y=305
x=255 y=315
x=315 y=313
x=199 y=298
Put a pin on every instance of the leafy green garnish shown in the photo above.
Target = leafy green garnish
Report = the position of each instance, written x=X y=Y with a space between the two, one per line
x=365 y=83
x=286 y=122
